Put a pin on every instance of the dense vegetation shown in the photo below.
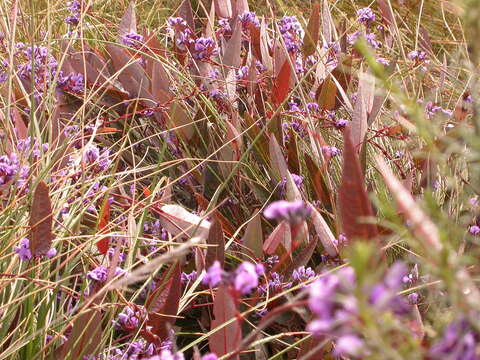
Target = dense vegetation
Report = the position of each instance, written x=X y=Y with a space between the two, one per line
x=225 y=180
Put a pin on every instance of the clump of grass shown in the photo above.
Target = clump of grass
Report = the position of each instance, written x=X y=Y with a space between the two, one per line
x=214 y=182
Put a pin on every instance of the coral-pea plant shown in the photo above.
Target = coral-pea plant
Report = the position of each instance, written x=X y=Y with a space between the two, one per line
x=239 y=181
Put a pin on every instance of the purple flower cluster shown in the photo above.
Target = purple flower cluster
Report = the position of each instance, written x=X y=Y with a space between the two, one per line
x=383 y=295
x=431 y=109
x=75 y=8
x=204 y=48
x=135 y=350
x=225 y=27
x=130 y=318
x=23 y=250
x=182 y=34
x=132 y=39
x=100 y=273
x=244 y=279
x=292 y=33
x=365 y=15
x=330 y=151
x=302 y=273
x=247 y=18
x=39 y=63
x=460 y=341
x=11 y=169
x=333 y=302
x=73 y=82
x=293 y=212
x=97 y=159
x=191 y=277
x=214 y=275
x=275 y=283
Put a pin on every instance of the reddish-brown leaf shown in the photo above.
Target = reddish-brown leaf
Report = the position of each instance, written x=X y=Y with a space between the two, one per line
x=255 y=41
x=324 y=233
x=313 y=31
x=86 y=334
x=320 y=187
x=41 y=218
x=326 y=94
x=253 y=238
x=281 y=85
x=185 y=11
x=216 y=250
x=353 y=198
x=162 y=304
x=280 y=235
x=228 y=338
x=104 y=243
x=232 y=50
x=128 y=23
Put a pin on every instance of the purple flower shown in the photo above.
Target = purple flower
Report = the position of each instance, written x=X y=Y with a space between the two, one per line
x=341 y=123
x=132 y=39
x=210 y=356
x=214 y=275
x=72 y=83
x=301 y=273
x=383 y=61
x=474 y=230
x=24 y=252
x=246 y=277
x=204 y=48
x=349 y=345
x=130 y=318
x=23 y=249
x=224 y=26
x=293 y=212
x=383 y=296
x=365 y=15
x=186 y=278
x=177 y=23
x=247 y=18
x=459 y=341
x=330 y=150
x=292 y=33
x=313 y=107
x=100 y=273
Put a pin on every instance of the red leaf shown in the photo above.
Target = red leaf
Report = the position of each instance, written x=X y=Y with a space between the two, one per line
x=163 y=303
x=104 y=243
x=281 y=85
x=216 y=250
x=41 y=221
x=313 y=31
x=353 y=198
x=228 y=338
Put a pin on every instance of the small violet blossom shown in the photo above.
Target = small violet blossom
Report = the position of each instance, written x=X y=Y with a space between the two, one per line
x=293 y=212
x=24 y=252
x=214 y=275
